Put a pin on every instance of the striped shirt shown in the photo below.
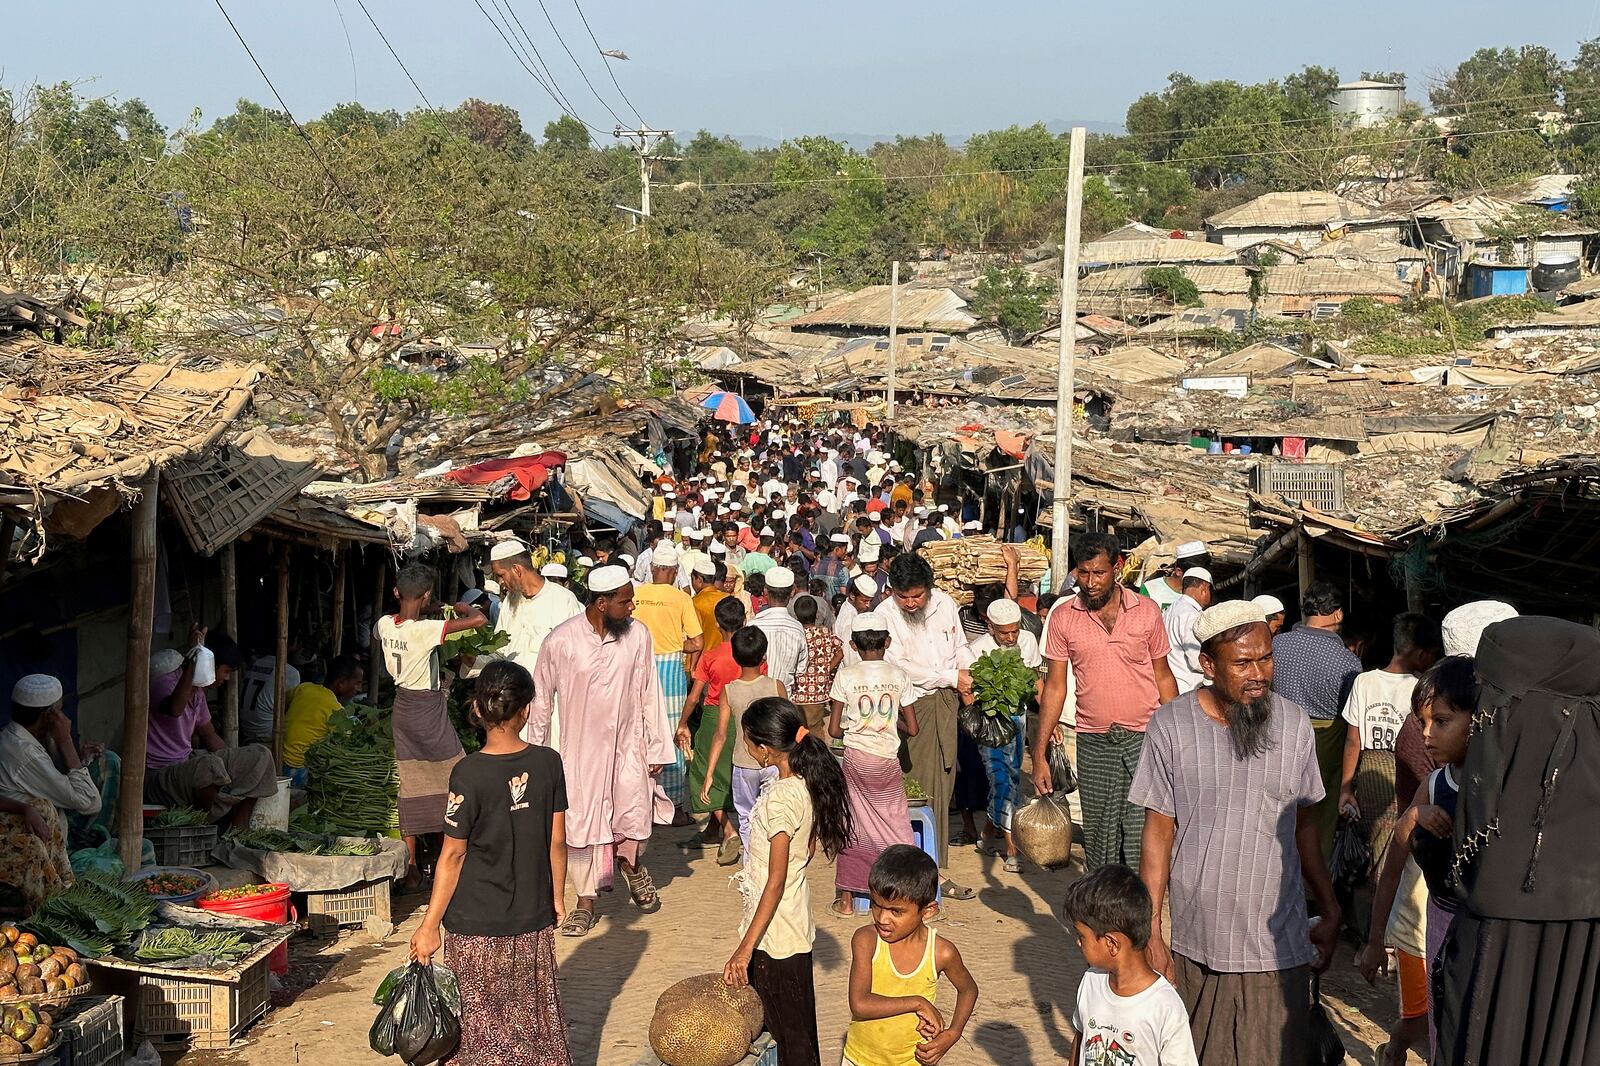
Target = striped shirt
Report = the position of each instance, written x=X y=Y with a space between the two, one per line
x=786 y=644
x=1237 y=899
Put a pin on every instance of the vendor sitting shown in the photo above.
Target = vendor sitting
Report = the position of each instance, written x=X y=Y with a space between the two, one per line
x=33 y=791
x=310 y=708
x=222 y=781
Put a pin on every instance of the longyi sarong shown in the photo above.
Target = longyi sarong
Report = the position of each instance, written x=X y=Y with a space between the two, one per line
x=1004 y=768
x=674 y=690
x=426 y=749
x=876 y=792
x=510 y=1004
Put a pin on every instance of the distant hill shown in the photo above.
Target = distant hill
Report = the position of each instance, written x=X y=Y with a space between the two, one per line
x=863 y=141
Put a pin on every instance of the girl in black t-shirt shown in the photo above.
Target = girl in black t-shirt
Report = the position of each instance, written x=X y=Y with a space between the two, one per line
x=497 y=886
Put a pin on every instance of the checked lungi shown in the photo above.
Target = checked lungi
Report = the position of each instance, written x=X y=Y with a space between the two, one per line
x=1004 y=768
x=672 y=782
x=1112 y=827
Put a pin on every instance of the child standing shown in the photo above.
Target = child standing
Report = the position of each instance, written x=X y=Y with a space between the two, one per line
x=1127 y=1014
x=824 y=652
x=750 y=652
x=871 y=700
x=895 y=965
x=711 y=764
x=802 y=809
x=1447 y=697
x=499 y=885
x=425 y=743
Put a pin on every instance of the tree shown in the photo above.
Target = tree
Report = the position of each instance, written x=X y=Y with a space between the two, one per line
x=1172 y=283
x=1504 y=81
x=566 y=134
x=1012 y=300
x=345 y=119
x=495 y=126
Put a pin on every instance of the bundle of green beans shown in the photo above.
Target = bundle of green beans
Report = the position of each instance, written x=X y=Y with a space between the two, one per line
x=173 y=943
x=179 y=818
x=353 y=778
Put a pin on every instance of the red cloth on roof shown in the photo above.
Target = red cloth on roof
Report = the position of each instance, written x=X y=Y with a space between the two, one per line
x=530 y=472
x=1013 y=444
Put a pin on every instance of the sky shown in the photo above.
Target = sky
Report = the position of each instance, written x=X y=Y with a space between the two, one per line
x=749 y=67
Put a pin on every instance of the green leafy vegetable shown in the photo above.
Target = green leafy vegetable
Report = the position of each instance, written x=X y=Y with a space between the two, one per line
x=180 y=818
x=1002 y=682
x=171 y=944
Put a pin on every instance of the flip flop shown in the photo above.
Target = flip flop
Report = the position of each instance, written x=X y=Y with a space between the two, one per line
x=833 y=909
x=961 y=840
x=578 y=922
x=951 y=890
x=729 y=850
x=1013 y=865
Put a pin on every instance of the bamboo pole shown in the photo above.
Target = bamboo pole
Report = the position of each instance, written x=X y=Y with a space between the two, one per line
x=341 y=578
x=136 y=682
x=281 y=662
x=230 y=622
x=374 y=648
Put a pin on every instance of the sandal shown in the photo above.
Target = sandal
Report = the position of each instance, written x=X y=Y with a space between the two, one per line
x=961 y=840
x=578 y=922
x=951 y=890
x=642 y=890
x=991 y=846
x=1013 y=865
x=729 y=851
x=833 y=909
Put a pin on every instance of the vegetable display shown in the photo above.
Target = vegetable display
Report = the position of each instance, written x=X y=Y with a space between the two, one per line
x=300 y=843
x=25 y=1030
x=914 y=789
x=228 y=895
x=170 y=885
x=471 y=642
x=180 y=818
x=30 y=966
x=173 y=943
x=95 y=915
x=353 y=778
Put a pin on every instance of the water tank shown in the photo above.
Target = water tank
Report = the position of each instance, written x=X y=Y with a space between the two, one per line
x=1368 y=103
x=1555 y=272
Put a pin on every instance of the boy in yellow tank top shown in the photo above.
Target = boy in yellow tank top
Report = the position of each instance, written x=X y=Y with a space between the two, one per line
x=895 y=965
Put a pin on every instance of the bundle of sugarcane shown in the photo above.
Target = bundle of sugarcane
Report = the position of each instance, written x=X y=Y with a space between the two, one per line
x=958 y=565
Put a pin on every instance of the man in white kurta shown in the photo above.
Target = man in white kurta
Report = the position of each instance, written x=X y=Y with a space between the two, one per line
x=530 y=608
x=615 y=739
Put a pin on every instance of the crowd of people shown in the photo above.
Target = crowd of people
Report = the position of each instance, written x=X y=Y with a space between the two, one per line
x=760 y=667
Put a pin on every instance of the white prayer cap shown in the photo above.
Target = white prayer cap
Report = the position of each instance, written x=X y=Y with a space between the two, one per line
x=1190 y=549
x=165 y=662
x=839 y=538
x=553 y=570
x=1270 y=605
x=767 y=533
x=625 y=559
x=604 y=579
x=1225 y=616
x=780 y=577
x=718 y=548
x=869 y=551
x=505 y=549
x=36 y=690
x=869 y=622
x=895 y=466
x=696 y=534
x=865 y=585
x=705 y=567
x=735 y=506
x=875 y=516
x=665 y=555
x=672 y=495
x=1200 y=573
x=1004 y=612
x=584 y=560
x=944 y=508
x=1463 y=627
x=973 y=525
x=875 y=457
x=778 y=514
x=920 y=511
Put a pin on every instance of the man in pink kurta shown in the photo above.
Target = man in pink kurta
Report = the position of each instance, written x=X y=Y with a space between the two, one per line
x=614 y=738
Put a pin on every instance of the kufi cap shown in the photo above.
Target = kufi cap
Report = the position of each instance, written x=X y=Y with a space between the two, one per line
x=869 y=622
x=718 y=548
x=865 y=585
x=944 y=508
x=36 y=690
x=777 y=514
x=1191 y=549
x=627 y=560
x=895 y=466
x=604 y=579
x=920 y=511
x=1225 y=616
x=1004 y=612
x=1200 y=573
x=664 y=555
x=735 y=506
x=1270 y=605
x=839 y=538
x=672 y=495
x=767 y=533
x=875 y=457
x=697 y=534
x=584 y=560
x=850 y=479
x=875 y=516
x=505 y=549
x=780 y=577
x=974 y=524
x=705 y=567
x=553 y=570
x=869 y=551
x=166 y=661
x=1463 y=627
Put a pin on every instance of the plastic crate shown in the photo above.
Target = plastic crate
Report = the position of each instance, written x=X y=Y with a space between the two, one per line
x=92 y=1034
x=187 y=845
x=1319 y=485
x=349 y=906
x=205 y=1009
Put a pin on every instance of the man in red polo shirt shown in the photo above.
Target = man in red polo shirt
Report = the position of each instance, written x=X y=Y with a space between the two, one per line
x=1117 y=647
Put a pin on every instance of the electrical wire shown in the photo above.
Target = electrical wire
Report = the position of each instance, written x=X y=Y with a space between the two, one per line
x=355 y=82
x=523 y=62
x=612 y=72
x=509 y=17
x=385 y=38
x=581 y=72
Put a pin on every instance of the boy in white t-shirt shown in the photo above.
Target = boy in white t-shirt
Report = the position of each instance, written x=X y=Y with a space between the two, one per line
x=1127 y=1014
x=1379 y=701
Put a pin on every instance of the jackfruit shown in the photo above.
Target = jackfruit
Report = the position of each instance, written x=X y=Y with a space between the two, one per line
x=702 y=1022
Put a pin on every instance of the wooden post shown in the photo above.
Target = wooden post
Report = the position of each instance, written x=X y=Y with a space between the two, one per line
x=374 y=647
x=1066 y=354
x=341 y=578
x=230 y=621
x=281 y=662
x=894 y=324
x=1306 y=557
x=136 y=676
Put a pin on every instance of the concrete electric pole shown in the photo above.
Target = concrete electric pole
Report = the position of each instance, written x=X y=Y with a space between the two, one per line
x=1061 y=511
x=643 y=141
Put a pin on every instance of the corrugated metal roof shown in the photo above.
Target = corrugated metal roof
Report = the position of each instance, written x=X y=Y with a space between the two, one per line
x=1296 y=209
x=1325 y=277
x=1465 y=219
x=917 y=308
x=1366 y=248
x=1155 y=250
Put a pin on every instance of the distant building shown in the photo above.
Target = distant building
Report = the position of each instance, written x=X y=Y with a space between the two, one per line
x=1303 y=218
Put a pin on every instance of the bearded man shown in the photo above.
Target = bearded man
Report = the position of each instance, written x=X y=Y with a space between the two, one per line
x=1227 y=780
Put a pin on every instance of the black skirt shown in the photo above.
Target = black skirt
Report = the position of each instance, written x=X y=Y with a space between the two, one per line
x=1518 y=992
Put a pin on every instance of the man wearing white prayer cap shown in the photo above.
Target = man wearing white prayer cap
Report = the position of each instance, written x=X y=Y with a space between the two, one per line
x=1179 y=621
x=1166 y=586
x=676 y=638
x=1463 y=627
x=33 y=842
x=530 y=605
x=861 y=595
x=1273 y=608
x=1004 y=632
x=786 y=637
x=615 y=740
x=1235 y=766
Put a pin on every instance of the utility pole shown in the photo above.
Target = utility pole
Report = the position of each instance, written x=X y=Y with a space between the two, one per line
x=894 y=322
x=643 y=141
x=1061 y=511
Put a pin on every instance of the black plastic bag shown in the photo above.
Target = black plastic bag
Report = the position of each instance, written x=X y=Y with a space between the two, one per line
x=1352 y=855
x=416 y=1021
x=1326 y=1047
x=1062 y=777
x=988 y=730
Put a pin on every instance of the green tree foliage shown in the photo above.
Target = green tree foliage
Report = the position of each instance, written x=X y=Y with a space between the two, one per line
x=1013 y=300
x=567 y=134
x=1173 y=284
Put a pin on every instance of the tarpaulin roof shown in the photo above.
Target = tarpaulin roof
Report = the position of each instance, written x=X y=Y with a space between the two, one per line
x=530 y=473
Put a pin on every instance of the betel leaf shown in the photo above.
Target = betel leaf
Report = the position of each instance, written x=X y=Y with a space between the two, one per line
x=1002 y=682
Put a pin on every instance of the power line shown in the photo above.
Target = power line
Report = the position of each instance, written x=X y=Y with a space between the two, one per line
x=385 y=38
x=518 y=56
x=508 y=15
x=613 y=73
x=355 y=82
x=581 y=72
